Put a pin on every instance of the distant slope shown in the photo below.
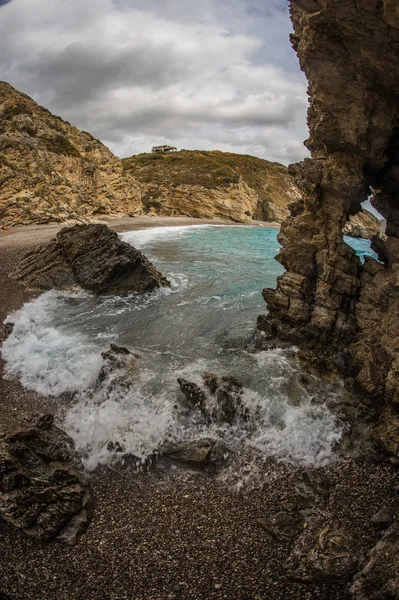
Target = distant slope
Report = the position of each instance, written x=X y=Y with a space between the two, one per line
x=51 y=171
x=213 y=184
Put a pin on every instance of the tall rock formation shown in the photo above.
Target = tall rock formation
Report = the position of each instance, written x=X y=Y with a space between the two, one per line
x=213 y=184
x=328 y=302
x=51 y=171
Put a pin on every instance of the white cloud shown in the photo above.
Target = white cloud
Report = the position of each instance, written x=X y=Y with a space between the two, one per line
x=135 y=74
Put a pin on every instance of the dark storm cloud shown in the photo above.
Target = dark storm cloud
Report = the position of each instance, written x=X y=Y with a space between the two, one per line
x=133 y=72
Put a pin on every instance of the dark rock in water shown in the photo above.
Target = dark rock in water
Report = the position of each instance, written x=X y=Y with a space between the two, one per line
x=7 y=330
x=379 y=579
x=200 y=453
x=120 y=368
x=40 y=492
x=195 y=396
x=92 y=257
x=222 y=402
x=324 y=551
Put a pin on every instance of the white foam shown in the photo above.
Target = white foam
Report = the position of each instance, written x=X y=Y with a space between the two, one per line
x=144 y=237
x=140 y=418
x=45 y=358
x=135 y=423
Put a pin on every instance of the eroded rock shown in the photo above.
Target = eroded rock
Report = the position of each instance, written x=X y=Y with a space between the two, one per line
x=199 y=453
x=379 y=579
x=222 y=401
x=324 y=551
x=40 y=492
x=91 y=257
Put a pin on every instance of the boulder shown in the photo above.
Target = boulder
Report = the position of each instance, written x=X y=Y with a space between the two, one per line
x=222 y=400
x=324 y=551
x=91 y=257
x=379 y=579
x=199 y=453
x=40 y=492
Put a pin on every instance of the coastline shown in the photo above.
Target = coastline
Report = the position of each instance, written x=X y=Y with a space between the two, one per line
x=172 y=533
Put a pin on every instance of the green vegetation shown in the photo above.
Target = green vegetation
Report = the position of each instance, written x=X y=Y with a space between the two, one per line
x=11 y=111
x=209 y=169
x=60 y=145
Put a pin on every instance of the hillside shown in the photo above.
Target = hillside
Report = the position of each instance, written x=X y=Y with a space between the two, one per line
x=51 y=171
x=213 y=184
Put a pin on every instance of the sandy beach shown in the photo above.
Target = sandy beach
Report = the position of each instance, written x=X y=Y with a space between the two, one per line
x=174 y=533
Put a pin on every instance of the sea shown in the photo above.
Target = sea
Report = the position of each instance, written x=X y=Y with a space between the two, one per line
x=203 y=322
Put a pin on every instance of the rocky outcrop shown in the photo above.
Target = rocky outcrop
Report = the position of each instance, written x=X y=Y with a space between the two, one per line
x=91 y=257
x=364 y=225
x=341 y=312
x=40 y=492
x=52 y=172
x=222 y=402
x=213 y=185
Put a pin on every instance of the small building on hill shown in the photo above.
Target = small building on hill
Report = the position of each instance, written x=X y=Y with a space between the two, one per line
x=163 y=149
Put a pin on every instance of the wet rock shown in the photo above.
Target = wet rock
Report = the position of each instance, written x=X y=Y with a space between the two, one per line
x=40 y=492
x=384 y=517
x=200 y=453
x=195 y=396
x=379 y=579
x=324 y=551
x=120 y=368
x=222 y=402
x=91 y=257
x=7 y=330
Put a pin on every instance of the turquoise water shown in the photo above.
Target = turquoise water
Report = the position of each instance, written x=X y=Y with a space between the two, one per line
x=361 y=247
x=202 y=322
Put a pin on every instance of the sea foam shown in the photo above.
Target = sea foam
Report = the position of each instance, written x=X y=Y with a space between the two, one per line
x=58 y=339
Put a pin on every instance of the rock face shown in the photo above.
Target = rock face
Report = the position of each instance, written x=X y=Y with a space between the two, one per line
x=327 y=302
x=221 y=403
x=39 y=491
x=364 y=225
x=92 y=257
x=51 y=171
x=379 y=579
x=213 y=185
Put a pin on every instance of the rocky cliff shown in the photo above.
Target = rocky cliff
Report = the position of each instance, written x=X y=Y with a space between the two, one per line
x=344 y=312
x=51 y=171
x=364 y=225
x=213 y=184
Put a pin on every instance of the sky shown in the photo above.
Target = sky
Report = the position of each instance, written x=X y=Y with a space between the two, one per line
x=208 y=74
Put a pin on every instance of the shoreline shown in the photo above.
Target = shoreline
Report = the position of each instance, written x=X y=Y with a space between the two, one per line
x=173 y=533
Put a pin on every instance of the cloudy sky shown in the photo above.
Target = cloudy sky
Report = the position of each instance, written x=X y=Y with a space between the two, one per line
x=198 y=74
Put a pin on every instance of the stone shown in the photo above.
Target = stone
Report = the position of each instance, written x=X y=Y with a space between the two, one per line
x=283 y=525
x=8 y=328
x=120 y=370
x=40 y=492
x=379 y=579
x=385 y=516
x=324 y=551
x=91 y=257
x=202 y=453
x=223 y=400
